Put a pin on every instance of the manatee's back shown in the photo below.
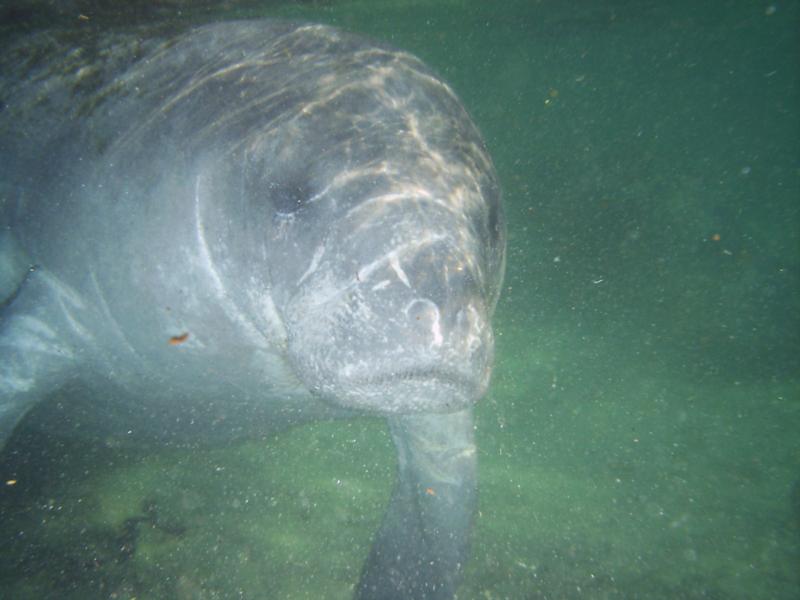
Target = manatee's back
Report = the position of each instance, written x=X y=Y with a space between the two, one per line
x=51 y=82
x=81 y=106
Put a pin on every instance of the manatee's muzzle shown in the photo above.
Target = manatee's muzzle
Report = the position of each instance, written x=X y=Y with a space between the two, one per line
x=409 y=331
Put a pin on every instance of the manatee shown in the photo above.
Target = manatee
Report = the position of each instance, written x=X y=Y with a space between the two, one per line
x=214 y=233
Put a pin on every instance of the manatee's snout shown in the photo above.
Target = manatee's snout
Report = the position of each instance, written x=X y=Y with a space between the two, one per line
x=464 y=327
x=446 y=318
x=427 y=337
x=408 y=330
x=454 y=339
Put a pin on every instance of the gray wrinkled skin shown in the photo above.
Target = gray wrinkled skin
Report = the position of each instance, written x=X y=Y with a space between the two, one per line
x=216 y=233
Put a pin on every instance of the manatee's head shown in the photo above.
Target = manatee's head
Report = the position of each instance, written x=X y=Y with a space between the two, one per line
x=386 y=240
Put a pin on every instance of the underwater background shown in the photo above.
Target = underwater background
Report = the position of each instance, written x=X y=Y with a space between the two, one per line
x=641 y=437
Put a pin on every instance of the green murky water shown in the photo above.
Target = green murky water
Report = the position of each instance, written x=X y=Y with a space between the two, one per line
x=640 y=437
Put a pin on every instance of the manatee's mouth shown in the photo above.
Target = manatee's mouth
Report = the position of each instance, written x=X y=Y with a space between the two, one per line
x=405 y=390
x=433 y=376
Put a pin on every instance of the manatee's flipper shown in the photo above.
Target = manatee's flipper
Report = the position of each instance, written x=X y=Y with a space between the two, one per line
x=34 y=352
x=422 y=545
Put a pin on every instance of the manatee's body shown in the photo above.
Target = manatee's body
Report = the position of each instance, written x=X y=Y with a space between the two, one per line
x=249 y=225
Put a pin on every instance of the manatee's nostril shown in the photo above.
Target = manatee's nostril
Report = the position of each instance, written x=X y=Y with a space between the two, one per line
x=422 y=312
x=425 y=320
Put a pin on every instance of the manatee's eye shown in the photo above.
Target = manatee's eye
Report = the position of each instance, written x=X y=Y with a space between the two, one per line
x=273 y=185
x=287 y=197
